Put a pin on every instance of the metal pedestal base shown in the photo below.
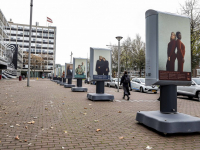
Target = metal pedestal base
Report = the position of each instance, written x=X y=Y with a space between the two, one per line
x=100 y=97
x=61 y=83
x=68 y=85
x=169 y=123
x=79 y=89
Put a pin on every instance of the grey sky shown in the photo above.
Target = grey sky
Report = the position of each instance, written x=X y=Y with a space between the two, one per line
x=82 y=24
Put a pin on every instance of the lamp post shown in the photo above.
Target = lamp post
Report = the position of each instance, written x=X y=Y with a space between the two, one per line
x=29 y=54
x=118 y=38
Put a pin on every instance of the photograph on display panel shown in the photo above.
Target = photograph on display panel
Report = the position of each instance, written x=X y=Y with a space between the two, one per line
x=101 y=64
x=174 y=47
x=68 y=70
x=80 y=68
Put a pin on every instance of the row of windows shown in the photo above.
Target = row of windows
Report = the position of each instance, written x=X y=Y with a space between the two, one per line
x=51 y=41
x=37 y=45
x=32 y=33
x=33 y=28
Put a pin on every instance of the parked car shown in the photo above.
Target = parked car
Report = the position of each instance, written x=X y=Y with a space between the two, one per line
x=138 y=84
x=114 y=83
x=192 y=91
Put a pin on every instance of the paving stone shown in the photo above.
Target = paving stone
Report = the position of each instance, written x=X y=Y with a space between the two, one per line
x=67 y=119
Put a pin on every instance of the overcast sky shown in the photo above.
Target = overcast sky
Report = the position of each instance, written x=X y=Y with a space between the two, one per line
x=82 y=24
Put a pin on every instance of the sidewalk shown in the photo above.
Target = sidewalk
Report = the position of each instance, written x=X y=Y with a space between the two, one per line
x=62 y=119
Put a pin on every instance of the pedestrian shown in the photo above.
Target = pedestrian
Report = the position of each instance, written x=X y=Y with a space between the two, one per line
x=125 y=80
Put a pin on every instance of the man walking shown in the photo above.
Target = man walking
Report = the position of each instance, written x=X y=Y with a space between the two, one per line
x=126 y=84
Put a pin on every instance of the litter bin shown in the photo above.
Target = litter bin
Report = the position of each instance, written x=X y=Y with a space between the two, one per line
x=20 y=78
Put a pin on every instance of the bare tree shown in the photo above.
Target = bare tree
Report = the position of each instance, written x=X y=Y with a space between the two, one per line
x=138 y=53
x=35 y=61
x=192 y=10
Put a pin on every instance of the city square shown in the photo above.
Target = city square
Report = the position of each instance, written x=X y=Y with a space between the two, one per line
x=68 y=120
x=102 y=75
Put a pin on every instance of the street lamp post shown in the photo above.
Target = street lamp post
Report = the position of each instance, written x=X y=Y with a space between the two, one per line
x=118 y=38
x=29 y=54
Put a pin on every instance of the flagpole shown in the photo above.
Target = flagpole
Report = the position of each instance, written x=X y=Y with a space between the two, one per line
x=29 y=54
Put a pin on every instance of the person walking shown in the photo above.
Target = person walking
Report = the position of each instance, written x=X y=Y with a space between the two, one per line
x=125 y=80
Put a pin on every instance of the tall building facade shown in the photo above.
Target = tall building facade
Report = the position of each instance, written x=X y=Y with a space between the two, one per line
x=3 y=36
x=43 y=44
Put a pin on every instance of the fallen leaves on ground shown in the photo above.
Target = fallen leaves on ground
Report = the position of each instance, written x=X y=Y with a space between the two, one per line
x=119 y=111
x=85 y=108
x=26 y=127
x=121 y=137
x=96 y=121
x=65 y=131
x=31 y=122
x=98 y=130
x=148 y=147
x=25 y=140
x=90 y=104
x=85 y=113
x=17 y=138
x=51 y=127
x=17 y=125
x=46 y=108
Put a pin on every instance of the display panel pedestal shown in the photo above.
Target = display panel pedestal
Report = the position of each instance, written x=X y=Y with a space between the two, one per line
x=79 y=87
x=167 y=120
x=100 y=95
x=63 y=81
x=69 y=84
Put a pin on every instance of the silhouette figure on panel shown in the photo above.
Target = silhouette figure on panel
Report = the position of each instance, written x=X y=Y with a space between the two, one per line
x=102 y=66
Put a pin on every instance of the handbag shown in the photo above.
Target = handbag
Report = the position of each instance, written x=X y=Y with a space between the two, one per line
x=167 y=65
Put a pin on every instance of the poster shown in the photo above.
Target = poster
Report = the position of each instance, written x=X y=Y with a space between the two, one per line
x=100 y=64
x=174 y=54
x=68 y=70
x=80 y=68
x=11 y=54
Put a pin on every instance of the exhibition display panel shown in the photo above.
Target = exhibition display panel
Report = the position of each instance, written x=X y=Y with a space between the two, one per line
x=100 y=71
x=168 y=64
x=79 y=73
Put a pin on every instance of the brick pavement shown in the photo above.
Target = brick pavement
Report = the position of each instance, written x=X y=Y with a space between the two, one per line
x=68 y=120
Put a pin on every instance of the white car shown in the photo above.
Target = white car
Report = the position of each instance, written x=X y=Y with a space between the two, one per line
x=138 y=84
x=114 y=83
x=192 y=91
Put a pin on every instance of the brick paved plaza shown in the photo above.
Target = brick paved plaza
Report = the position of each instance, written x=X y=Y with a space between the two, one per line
x=49 y=116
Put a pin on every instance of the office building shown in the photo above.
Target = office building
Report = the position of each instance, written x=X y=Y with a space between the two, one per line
x=43 y=44
x=3 y=47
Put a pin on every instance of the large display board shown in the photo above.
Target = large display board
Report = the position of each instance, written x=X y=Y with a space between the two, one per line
x=100 y=64
x=79 y=68
x=168 y=53
x=68 y=70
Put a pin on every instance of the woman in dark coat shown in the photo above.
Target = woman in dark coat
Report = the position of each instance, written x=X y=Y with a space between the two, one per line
x=105 y=66
x=171 y=52
x=126 y=84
